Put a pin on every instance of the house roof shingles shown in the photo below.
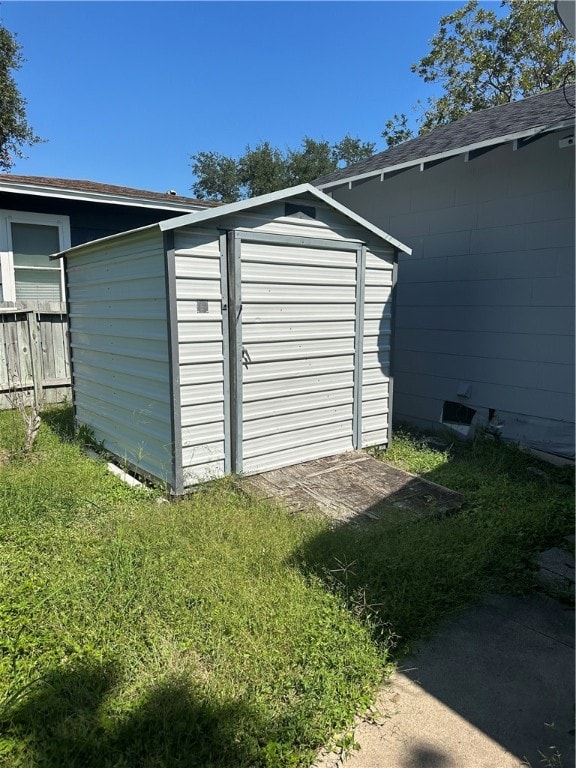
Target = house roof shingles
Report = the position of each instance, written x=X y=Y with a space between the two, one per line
x=540 y=111
x=94 y=187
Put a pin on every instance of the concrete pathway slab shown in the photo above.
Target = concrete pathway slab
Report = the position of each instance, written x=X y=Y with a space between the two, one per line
x=494 y=688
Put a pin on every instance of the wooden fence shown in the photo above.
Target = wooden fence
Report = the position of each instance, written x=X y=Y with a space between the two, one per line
x=34 y=357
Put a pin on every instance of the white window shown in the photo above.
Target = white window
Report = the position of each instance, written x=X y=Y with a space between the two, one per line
x=26 y=241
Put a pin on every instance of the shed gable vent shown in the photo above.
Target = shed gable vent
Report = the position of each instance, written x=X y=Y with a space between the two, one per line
x=300 y=211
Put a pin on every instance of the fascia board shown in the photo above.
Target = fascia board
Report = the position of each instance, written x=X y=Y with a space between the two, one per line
x=231 y=208
x=93 y=197
x=344 y=180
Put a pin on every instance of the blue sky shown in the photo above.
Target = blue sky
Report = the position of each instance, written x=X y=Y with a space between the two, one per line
x=126 y=91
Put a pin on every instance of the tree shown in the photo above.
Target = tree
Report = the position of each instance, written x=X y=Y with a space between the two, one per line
x=396 y=130
x=217 y=177
x=350 y=150
x=316 y=158
x=15 y=132
x=479 y=57
x=266 y=168
x=483 y=60
x=262 y=170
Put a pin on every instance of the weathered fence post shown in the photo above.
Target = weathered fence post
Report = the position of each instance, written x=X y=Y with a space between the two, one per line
x=34 y=356
x=33 y=322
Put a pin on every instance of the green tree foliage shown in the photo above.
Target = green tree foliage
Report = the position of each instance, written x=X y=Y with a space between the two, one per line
x=217 y=177
x=265 y=168
x=15 y=132
x=482 y=60
x=396 y=130
x=350 y=150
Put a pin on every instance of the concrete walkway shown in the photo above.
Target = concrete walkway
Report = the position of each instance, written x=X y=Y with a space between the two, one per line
x=494 y=688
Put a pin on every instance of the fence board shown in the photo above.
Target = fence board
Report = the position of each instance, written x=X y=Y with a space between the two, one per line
x=34 y=353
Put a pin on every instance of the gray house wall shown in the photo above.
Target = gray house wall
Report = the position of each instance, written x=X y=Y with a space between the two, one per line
x=485 y=305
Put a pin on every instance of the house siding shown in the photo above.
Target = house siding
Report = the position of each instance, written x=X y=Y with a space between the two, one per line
x=88 y=220
x=487 y=298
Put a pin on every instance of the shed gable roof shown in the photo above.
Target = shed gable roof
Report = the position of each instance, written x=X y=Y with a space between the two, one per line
x=515 y=119
x=302 y=190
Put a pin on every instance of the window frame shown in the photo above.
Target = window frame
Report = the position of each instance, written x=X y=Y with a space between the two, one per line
x=7 y=270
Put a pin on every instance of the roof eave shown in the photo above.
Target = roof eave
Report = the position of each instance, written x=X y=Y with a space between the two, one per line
x=504 y=139
x=95 y=197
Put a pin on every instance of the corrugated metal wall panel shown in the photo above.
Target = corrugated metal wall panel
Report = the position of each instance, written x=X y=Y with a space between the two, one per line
x=274 y=386
x=377 y=347
x=200 y=294
x=129 y=309
x=294 y=312
x=266 y=405
x=119 y=343
x=271 y=218
x=282 y=456
x=298 y=372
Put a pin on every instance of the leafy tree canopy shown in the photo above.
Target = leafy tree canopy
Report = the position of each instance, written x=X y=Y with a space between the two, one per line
x=265 y=168
x=482 y=60
x=15 y=133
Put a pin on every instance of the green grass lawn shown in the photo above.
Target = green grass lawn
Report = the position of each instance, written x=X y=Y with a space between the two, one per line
x=222 y=630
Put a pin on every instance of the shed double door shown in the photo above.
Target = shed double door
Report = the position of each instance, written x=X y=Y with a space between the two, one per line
x=296 y=320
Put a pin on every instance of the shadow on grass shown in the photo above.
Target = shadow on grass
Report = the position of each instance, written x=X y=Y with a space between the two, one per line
x=60 y=419
x=405 y=572
x=65 y=721
x=404 y=575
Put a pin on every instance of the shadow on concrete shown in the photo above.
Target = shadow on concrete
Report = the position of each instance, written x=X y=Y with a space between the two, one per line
x=422 y=756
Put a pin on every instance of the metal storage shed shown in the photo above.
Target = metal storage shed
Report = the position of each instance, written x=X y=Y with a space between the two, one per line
x=241 y=338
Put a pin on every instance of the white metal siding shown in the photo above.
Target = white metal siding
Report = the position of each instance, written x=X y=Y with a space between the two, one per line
x=199 y=292
x=377 y=347
x=298 y=370
x=301 y=326
x=119 y=344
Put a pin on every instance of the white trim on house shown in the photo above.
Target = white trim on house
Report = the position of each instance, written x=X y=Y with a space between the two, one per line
x=7 y=273
x=509 y=137
x=95 y=197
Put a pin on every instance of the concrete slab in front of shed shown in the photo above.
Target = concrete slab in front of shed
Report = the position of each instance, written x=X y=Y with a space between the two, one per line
x=353 y=486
